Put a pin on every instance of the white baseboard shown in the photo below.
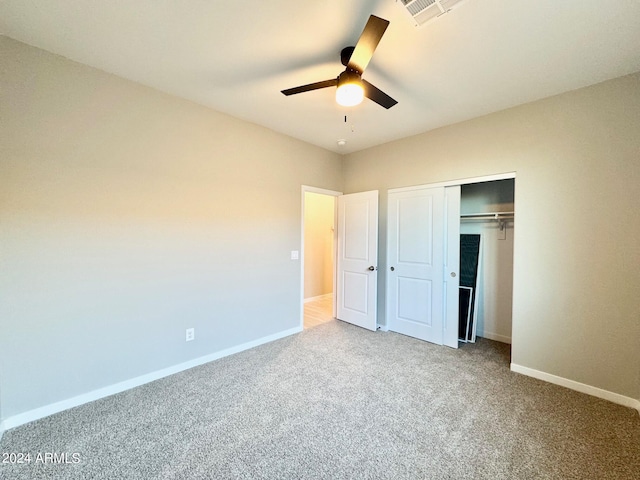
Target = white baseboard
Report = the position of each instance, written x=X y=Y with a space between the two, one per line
x=318 y=297
x=41 y=412
x=2 y=429
x=577 y=386
x=383 y=328
x=496 y=337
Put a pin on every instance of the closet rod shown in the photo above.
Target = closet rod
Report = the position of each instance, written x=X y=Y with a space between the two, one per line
x=490 y=216
x=499 y=217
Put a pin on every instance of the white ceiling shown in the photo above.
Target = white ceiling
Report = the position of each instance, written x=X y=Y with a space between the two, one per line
x=481 y=57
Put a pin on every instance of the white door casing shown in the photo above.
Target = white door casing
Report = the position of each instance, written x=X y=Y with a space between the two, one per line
x=357 y=278
x=415 y=256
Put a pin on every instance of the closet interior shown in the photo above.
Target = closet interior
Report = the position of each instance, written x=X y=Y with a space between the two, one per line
x=487 y=212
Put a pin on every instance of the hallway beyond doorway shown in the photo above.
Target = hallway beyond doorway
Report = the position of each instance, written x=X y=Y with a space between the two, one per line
x=318 y=311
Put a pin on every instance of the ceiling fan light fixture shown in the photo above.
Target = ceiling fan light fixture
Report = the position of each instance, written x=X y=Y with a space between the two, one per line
x=350 y=91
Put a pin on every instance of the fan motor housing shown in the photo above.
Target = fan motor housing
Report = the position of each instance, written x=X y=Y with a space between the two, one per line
x=345 y=55
x=349 y=76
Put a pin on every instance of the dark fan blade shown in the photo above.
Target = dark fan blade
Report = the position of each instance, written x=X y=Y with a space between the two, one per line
x=312 y=86
x=367 y=43
x=378 y=95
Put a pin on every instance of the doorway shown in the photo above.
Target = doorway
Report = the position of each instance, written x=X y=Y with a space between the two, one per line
x=318 y=256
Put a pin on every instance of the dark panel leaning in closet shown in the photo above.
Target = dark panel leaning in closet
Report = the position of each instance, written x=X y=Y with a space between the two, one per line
x=469 y=256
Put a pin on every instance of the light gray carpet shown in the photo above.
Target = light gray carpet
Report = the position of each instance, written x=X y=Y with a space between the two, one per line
x=335 y=402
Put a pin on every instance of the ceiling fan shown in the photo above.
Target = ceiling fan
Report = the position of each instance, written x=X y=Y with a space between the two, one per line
x=351 y=87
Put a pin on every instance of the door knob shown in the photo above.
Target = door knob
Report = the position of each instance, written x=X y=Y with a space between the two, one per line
x=392 y=269
x=372 y=268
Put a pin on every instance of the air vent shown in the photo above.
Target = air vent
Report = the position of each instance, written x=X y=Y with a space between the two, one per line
x=424 y=10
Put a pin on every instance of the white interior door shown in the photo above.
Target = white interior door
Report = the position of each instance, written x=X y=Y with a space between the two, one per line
x=416 y=262
x=357 y=278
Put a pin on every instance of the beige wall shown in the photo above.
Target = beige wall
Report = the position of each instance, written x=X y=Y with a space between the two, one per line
x=576 y=308
x=127 y=216
x=319 y=216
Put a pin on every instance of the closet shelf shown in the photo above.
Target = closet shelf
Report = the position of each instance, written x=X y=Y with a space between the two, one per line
x=487 y=216
x=500 y=217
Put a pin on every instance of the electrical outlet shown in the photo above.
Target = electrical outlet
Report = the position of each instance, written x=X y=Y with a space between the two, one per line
x=190 y=334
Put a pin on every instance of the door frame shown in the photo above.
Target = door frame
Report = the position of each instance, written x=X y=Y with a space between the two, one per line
x=449 y=326
x=331 y=193
x=453 y=183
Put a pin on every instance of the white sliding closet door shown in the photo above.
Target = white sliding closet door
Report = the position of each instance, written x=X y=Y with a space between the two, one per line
x=415 y=279
x=423 y=250
x=451 y=264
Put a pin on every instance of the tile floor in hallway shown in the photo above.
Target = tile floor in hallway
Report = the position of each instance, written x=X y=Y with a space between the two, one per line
x=318 y=311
